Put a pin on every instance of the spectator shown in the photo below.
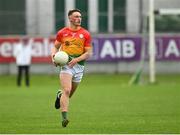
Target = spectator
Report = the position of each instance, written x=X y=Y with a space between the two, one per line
x=22 y=53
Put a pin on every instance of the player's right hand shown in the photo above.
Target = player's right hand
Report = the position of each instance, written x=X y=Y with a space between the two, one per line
x=54 y=63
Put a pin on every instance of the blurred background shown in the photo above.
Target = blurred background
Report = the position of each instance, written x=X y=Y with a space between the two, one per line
x=119 y=29
x=104 y=103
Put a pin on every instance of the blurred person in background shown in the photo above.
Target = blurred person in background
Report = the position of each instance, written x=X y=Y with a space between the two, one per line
x=23 y=54
x=76 y=42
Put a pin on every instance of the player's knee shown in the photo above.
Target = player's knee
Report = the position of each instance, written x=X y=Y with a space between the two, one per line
x=67 y=91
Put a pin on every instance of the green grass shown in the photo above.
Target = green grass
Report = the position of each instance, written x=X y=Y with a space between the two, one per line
x=103 y=104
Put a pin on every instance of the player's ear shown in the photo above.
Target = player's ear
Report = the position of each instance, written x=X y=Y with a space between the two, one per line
x=70 y=18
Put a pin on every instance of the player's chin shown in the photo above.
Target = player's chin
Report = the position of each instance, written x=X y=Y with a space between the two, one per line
x=78 y=24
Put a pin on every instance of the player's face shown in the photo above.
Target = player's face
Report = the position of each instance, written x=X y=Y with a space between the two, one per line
x=75 y=19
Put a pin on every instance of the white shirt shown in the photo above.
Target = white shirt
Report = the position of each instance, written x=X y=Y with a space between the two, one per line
x=23 y=53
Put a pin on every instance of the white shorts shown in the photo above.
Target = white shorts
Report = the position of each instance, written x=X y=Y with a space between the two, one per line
x=76 y=71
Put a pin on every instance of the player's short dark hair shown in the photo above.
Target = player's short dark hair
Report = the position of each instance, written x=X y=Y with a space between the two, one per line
x=73 y=10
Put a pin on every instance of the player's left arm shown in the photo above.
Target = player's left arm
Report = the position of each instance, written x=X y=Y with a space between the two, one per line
x=84 y=56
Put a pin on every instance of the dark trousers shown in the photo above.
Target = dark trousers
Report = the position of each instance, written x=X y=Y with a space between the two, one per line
x=23 y=70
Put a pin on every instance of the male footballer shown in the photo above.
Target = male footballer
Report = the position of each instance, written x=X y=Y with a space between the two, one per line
x=76 y=42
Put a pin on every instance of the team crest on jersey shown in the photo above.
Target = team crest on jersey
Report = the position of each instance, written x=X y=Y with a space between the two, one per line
x=67 y=43
x=81 y=35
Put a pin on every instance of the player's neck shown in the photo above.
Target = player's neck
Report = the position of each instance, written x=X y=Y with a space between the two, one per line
x=74 y=28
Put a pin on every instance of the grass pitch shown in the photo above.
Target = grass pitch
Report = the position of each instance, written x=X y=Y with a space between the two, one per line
x=103 y=104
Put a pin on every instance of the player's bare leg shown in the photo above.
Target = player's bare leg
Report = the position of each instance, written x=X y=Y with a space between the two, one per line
x=59 y=93
x=74 y=87
x=66 y=84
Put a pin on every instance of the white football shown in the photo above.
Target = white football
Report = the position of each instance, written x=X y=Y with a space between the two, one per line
x=61 y=58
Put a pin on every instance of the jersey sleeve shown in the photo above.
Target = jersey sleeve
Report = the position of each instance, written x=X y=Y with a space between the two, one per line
x=88 y=40
x=59 y=36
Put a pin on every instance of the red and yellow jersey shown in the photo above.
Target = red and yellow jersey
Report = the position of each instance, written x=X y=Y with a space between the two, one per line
x=73 y=42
